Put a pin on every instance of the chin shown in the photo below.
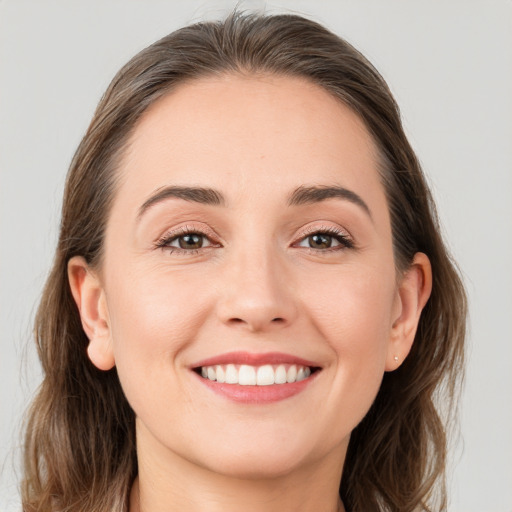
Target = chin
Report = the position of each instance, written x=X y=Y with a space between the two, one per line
x=263 y=467
x=259 y=458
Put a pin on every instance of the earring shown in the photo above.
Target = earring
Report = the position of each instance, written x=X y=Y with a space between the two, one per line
x=396 y=359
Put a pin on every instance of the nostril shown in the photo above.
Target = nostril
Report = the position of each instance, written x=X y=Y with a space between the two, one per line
x=257 y=322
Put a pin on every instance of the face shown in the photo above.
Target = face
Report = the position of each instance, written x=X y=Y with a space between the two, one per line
x=248 y=290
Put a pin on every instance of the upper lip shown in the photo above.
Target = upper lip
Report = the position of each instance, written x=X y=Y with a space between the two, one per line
x=254 y=359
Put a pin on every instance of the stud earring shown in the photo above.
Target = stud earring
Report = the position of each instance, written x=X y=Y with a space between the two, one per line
x=396 y=358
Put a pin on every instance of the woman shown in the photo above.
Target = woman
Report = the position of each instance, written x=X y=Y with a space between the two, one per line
x=251 y=306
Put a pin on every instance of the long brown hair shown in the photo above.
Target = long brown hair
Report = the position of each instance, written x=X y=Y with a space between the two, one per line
x=80 y=434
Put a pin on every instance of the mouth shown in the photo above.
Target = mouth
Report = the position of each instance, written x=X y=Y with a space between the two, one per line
x=262 y=375
x=256 y=378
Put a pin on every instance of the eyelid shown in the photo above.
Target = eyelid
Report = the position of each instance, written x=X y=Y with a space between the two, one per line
x=344 y=237
x=347 y=241
x=323 y=228
x=171 y=234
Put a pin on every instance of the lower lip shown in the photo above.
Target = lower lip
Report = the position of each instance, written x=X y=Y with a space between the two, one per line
x=258 y=394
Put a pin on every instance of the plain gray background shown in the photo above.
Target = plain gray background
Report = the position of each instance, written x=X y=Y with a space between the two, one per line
x=449 y=64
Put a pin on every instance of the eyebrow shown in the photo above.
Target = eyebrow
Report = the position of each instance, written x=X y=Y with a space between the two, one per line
x=200 y=195
x=209 y=196
x=316 y=194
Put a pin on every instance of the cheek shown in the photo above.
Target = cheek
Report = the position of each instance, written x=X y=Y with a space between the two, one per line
x=153 y=317
x=152 y=306
x=354 y=316
x=354 y=308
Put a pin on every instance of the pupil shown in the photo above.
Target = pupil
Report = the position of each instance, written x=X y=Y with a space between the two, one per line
x=191 y=241
x=320 y=241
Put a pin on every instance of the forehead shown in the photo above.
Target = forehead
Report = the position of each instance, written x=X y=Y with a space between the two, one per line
x=242 y=133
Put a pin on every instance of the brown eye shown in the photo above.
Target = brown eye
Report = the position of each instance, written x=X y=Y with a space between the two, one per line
x=324 y=240
x=320 y=241
x=190 y=241
x=186 y=242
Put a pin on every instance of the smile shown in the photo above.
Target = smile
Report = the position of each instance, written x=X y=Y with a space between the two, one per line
x=246 y=375
x=256 y=378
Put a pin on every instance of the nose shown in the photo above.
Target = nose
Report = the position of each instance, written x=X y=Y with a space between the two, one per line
x=257 y=292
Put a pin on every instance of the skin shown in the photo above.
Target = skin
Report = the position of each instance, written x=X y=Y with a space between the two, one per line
x=255 y=285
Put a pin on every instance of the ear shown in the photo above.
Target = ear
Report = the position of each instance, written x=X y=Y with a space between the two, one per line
x=90 y=300
x=413 y=293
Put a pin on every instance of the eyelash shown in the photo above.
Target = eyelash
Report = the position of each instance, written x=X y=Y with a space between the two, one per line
x=163 y=242
x=340 y=236
x=345 y=242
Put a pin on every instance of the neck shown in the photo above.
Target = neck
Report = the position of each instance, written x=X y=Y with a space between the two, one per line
x=169 y=483
x=247 y=497
x=254 y=500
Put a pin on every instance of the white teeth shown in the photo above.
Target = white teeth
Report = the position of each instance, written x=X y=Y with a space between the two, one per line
x=221 y=376
x=246 y=375
x=211 y=373
x=280 y=375
x=231 y=374
x=291 y=374
x=303 y=373
x=265 y=376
